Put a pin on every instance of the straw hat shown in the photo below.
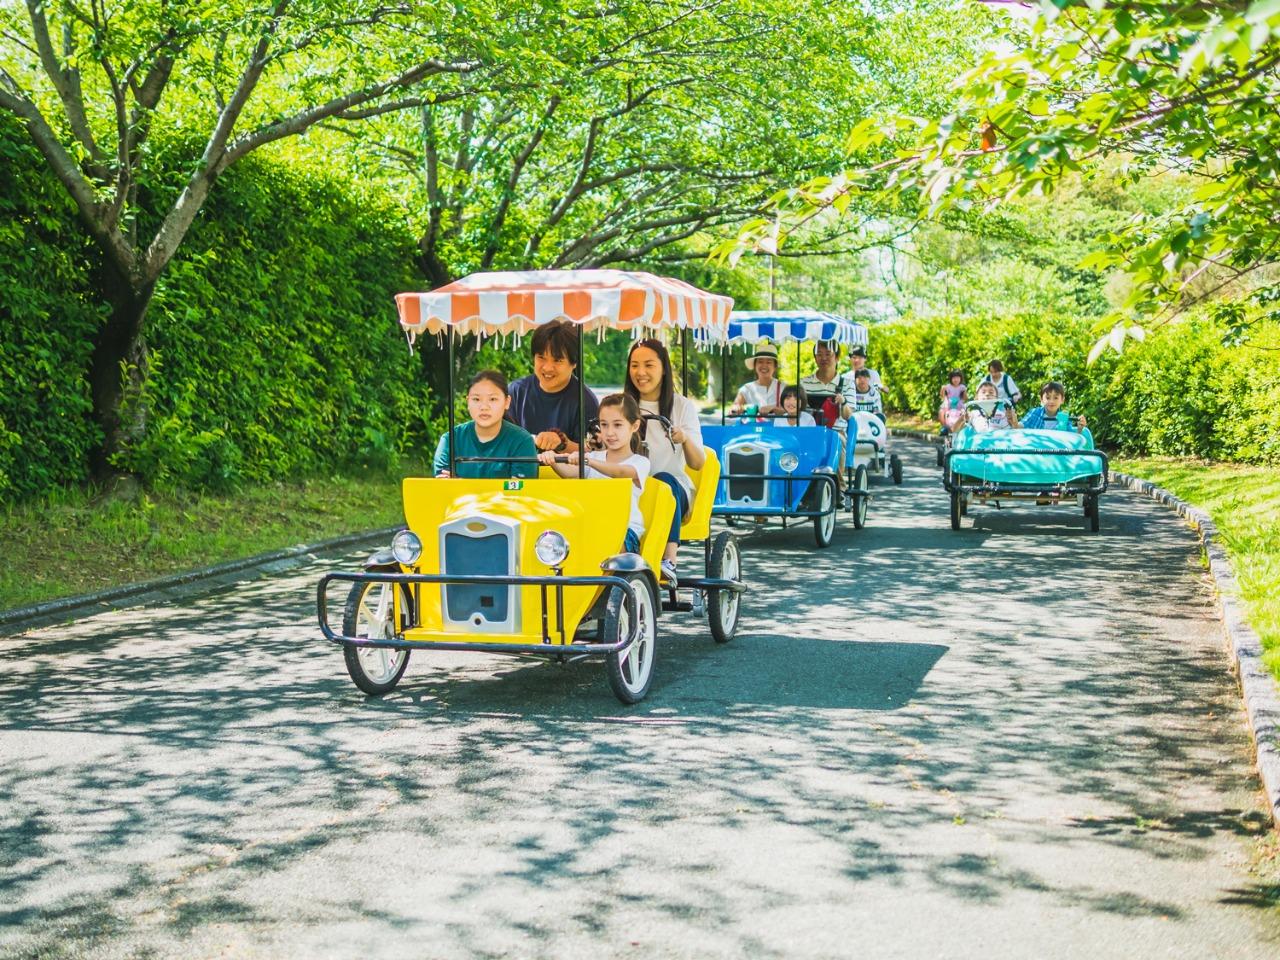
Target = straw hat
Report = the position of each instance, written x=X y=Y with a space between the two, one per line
x=764 y=351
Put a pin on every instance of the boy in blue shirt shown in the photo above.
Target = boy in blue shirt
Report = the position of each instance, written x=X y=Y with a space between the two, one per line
x=487 y=434
x=1050 y=415
x=545 y=403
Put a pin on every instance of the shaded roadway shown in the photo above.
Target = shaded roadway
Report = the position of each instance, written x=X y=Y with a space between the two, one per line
x=1019 y=740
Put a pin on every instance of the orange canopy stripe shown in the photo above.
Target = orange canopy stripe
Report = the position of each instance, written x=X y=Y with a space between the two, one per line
x=515 y=302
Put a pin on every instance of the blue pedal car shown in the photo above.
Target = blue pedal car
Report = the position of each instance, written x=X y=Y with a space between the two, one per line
x=1048 y=467
x=788 y=472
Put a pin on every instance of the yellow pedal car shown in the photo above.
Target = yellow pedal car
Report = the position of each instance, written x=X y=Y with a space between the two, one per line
x=532 y=567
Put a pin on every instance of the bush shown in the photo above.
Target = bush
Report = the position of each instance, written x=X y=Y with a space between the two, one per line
x=1182 y=393
x=273 y=350
x=47 y=317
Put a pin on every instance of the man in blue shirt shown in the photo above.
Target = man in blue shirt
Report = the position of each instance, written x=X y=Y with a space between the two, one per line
x=1050 y=415
x=546 y=402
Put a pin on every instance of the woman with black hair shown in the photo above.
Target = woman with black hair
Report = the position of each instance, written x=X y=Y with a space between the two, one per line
x=650 y=382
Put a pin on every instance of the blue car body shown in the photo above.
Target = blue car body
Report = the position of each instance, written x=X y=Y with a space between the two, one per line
x=753 y=482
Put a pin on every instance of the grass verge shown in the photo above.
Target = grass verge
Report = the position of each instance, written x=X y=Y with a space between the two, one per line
x=69 y=543
x=1244 y=502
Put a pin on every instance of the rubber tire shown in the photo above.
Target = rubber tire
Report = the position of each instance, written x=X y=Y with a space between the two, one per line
x=895 y=467
x=351 y=654
x=957 y=509
x=861 y=485
x=611 y=626
x=942 y=454
x=824 y=526
x=723 y=624
x=1091 y=508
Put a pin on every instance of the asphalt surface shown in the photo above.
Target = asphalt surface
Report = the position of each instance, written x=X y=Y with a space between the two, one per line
x=1020 y=740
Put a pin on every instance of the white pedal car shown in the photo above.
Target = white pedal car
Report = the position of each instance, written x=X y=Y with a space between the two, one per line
x=868 y=446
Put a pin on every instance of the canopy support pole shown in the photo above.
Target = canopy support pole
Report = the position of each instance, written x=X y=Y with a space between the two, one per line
x=724 y=378
x=449 y=376
x=582 y=410
x=684 y=361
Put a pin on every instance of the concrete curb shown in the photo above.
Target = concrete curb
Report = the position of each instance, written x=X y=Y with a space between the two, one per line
x=1258 y=687
x=23 y=618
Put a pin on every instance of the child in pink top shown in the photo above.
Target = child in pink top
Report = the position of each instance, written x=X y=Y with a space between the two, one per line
x=954 y=395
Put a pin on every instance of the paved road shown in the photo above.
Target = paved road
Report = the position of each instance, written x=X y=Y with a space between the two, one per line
x=1016 y=741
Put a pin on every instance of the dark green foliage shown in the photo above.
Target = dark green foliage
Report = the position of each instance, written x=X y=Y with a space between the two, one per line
x=47 y=318
x=273 y=349
x=272 y=338
x=1183 y=393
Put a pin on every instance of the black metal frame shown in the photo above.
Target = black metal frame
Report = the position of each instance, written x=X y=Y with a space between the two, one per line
x=992 y=488
x=547 y=647
x=789 y=478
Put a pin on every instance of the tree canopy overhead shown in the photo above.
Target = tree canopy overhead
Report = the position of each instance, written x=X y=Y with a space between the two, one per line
x=1183 y=87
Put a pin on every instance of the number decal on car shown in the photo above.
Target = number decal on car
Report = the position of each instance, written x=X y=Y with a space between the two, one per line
x=513 y=485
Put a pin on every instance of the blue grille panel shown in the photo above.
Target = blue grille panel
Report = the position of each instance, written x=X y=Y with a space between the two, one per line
x=476 y=556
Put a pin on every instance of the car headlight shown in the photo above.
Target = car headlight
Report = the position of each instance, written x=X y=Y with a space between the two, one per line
x=788 y=462
x=551 y=548
x=406 y=548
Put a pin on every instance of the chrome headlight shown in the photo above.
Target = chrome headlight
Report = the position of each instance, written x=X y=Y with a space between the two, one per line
x=551 y=548
x=406 y=547
x=788 y=462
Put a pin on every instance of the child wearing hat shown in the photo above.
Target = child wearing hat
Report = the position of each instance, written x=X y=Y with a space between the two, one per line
x=764 y=393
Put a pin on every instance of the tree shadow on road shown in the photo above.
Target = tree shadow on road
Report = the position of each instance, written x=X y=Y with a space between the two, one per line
x=198 y=767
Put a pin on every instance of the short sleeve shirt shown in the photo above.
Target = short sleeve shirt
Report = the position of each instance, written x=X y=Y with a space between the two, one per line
x=664 y=456
x=1006 y=389
x=841 y=386
x=1037 y=419
x=536 y=410
x=757 y=395
x=511 y=441
x=641 y=463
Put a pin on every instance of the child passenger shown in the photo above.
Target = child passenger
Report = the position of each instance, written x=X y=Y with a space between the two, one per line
x=1002 y=416
x=620 y=458
x=953 y=396
x=487 y=434
x=1050 y=415
x=793 y=399
x=865 y=396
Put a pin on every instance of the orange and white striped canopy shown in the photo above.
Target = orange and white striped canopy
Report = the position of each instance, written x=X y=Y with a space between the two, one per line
x=516 y=302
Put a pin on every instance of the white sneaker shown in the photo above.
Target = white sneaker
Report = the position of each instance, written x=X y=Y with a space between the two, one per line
x=669 y=571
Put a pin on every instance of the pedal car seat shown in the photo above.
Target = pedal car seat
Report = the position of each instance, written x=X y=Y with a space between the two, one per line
x=657 y=506
x=705 y=481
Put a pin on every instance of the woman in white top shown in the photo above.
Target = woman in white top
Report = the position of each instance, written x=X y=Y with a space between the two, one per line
x=764 y=392
x=650 y=382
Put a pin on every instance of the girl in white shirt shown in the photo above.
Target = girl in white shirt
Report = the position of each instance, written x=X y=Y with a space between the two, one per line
x=650 y=382
x=620 y=458
x=793 y=399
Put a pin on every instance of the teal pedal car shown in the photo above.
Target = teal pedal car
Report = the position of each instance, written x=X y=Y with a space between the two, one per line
x=1045 y=467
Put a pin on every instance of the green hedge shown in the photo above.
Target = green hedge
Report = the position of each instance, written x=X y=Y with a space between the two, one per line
x=273 y=351
x=47 y=317
x=1182 y=393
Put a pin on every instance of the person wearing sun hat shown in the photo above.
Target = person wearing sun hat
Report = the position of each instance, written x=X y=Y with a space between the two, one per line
x=765 y=391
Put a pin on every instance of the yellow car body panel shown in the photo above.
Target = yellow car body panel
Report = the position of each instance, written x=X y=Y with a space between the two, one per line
x=658 y=506
x=698 y=526
x=590 y=514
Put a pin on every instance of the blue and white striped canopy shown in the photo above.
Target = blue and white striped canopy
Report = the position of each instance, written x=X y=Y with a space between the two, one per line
x=781 y=326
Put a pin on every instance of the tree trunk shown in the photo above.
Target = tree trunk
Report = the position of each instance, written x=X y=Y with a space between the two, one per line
x=119 y=341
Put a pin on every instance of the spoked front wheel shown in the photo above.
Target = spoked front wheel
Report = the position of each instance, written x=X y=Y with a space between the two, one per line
x=722 y=606
x=861 y=489
x=957 y=509
x=630 y=670
x=824 y=524
x=371 y=612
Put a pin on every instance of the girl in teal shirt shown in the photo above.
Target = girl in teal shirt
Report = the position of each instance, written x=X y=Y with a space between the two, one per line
x=488 y=434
